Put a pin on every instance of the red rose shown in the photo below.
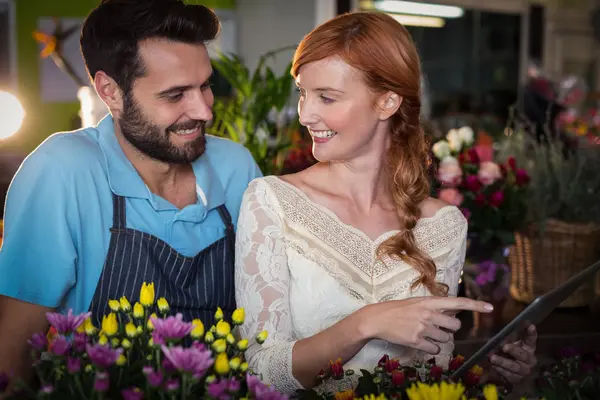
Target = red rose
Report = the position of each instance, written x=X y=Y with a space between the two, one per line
x=480 y=200
x=512 y=163
x=398 y=378
x=473 y=156
x=436 y=372
x=472 y=379
x=383 y=360
x=391 y=365
x=496 y=199
x=522 y=177
x=472 y=183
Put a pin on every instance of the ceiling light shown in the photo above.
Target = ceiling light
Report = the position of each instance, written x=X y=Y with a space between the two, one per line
x=418 y=20
x=414 y=8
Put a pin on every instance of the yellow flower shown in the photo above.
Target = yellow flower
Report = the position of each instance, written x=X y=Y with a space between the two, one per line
x=219 y=346
x=121 y=360
x=211 y=379
x=223 y=329
x=243 y=367
x=103 y=339
x=230 y=339
x=147 y=294
x=443 y=391
x=163 y=305
x=125 y=304
x=234 y=363
x=87 y=327
x=114 y=305
x=126 y=344
x=238 y=316
x=89 y=368
x=219 y=314
x=110 y=326
x=209 y=337
x=261 y=337
x=140 y=330
x=131 y=330
x=150 y=324
x=114 y=342
x=490 y=392
x=138 y=311
x=382 y=397
x=242 y=345
x=222 y=364
x=345 y=395
x=477 y=370
x=198 y=330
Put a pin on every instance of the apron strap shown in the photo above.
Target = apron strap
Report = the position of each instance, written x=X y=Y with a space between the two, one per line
x=229 y=230
x=119 y=218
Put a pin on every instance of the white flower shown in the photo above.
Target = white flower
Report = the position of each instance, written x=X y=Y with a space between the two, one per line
x=466 y=135
x=441 y=149
x=454 y=140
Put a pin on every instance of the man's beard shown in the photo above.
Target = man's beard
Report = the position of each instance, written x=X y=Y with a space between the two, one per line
x=154 y=141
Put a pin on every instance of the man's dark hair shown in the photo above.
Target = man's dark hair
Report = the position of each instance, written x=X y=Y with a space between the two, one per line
x=111 y=33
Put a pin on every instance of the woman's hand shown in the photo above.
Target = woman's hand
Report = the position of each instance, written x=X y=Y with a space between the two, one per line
x=521 y=362
x=418 y=322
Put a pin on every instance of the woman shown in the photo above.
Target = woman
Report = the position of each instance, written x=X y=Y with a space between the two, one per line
x=351 y=258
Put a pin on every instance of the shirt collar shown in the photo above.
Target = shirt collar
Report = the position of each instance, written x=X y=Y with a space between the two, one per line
x=125 y=181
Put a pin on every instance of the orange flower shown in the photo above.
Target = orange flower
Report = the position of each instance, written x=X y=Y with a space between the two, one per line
x=337 y=370
x=345 y=395
x=456 y=362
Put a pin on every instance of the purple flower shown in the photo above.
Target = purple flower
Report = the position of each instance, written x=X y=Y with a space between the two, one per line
x=103 y=356
x=172 y=328
x=60 y=346
x=101 y=383
x=38 y=341
x=46 y=389
x=189 y=360
x=168 y=366
x=65 y=324
x=73 y=365
x=4 y=381
x=147 y=370
x=155 y=378
x=79 y=342
x=262 y=391
x=132 y=394
x=217 y=389
x=157 y=338
x=172 y=385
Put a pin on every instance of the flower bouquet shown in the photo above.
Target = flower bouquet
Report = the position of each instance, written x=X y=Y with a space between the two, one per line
x=490 y=195
x=137 y=354
x=390 y=380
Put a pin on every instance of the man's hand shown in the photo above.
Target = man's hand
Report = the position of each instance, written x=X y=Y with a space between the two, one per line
x=18 y=322
x=521 y=362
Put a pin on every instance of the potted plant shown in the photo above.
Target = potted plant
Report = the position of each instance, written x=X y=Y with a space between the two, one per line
x=258 y=114
x=562 y=234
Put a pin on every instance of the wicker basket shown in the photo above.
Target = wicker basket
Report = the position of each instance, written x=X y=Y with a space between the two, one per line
x=539 y=263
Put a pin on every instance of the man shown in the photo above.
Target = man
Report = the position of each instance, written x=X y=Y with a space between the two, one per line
x=144 y=197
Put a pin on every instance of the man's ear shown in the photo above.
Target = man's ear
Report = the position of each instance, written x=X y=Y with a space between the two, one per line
x=108 y=91
x=388 y=105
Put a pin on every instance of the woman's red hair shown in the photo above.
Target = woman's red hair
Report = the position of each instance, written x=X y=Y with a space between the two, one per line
x=383 y=51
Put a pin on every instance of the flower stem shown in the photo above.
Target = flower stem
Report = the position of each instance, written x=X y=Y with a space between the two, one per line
x=79 y=387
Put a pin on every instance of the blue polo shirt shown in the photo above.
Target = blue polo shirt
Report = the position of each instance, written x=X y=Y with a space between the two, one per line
x=59 y=210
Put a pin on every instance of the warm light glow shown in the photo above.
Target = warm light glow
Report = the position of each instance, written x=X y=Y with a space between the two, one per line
x=11 y=114
x=417 y=20
x=413 y=8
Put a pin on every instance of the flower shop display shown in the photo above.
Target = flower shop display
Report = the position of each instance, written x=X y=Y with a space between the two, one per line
x=140 y=352
x=390 y=380
x=562 y=232
x=490 y=195
x=258 y=114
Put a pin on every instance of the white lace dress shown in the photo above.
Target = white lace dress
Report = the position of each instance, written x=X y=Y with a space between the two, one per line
x=299 y=270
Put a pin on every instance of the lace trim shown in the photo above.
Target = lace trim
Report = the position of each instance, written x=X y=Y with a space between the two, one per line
x=432 y=234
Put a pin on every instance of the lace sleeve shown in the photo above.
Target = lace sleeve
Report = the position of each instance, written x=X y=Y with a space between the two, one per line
x=451 y=273
x=262 y=285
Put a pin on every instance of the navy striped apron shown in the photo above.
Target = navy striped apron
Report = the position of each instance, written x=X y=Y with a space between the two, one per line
x=193 y=286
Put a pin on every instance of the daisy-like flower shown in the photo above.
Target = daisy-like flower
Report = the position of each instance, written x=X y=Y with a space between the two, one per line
x=65 y=324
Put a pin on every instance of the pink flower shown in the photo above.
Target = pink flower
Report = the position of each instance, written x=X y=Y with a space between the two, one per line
x=522 y=177
x=496 y=199
x=102 y=382
x=73 y=365
x=60 y=346
x=189 y=360
x=472 y=183
x=489 y=172
x=451 y=196
x=65 y=324
x=450 y=173
x=38 y=341
x=172 y=328
x=485 y=152
x=466 y=212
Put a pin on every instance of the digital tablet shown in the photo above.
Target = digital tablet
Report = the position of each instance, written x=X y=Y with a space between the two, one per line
x=535 y=313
